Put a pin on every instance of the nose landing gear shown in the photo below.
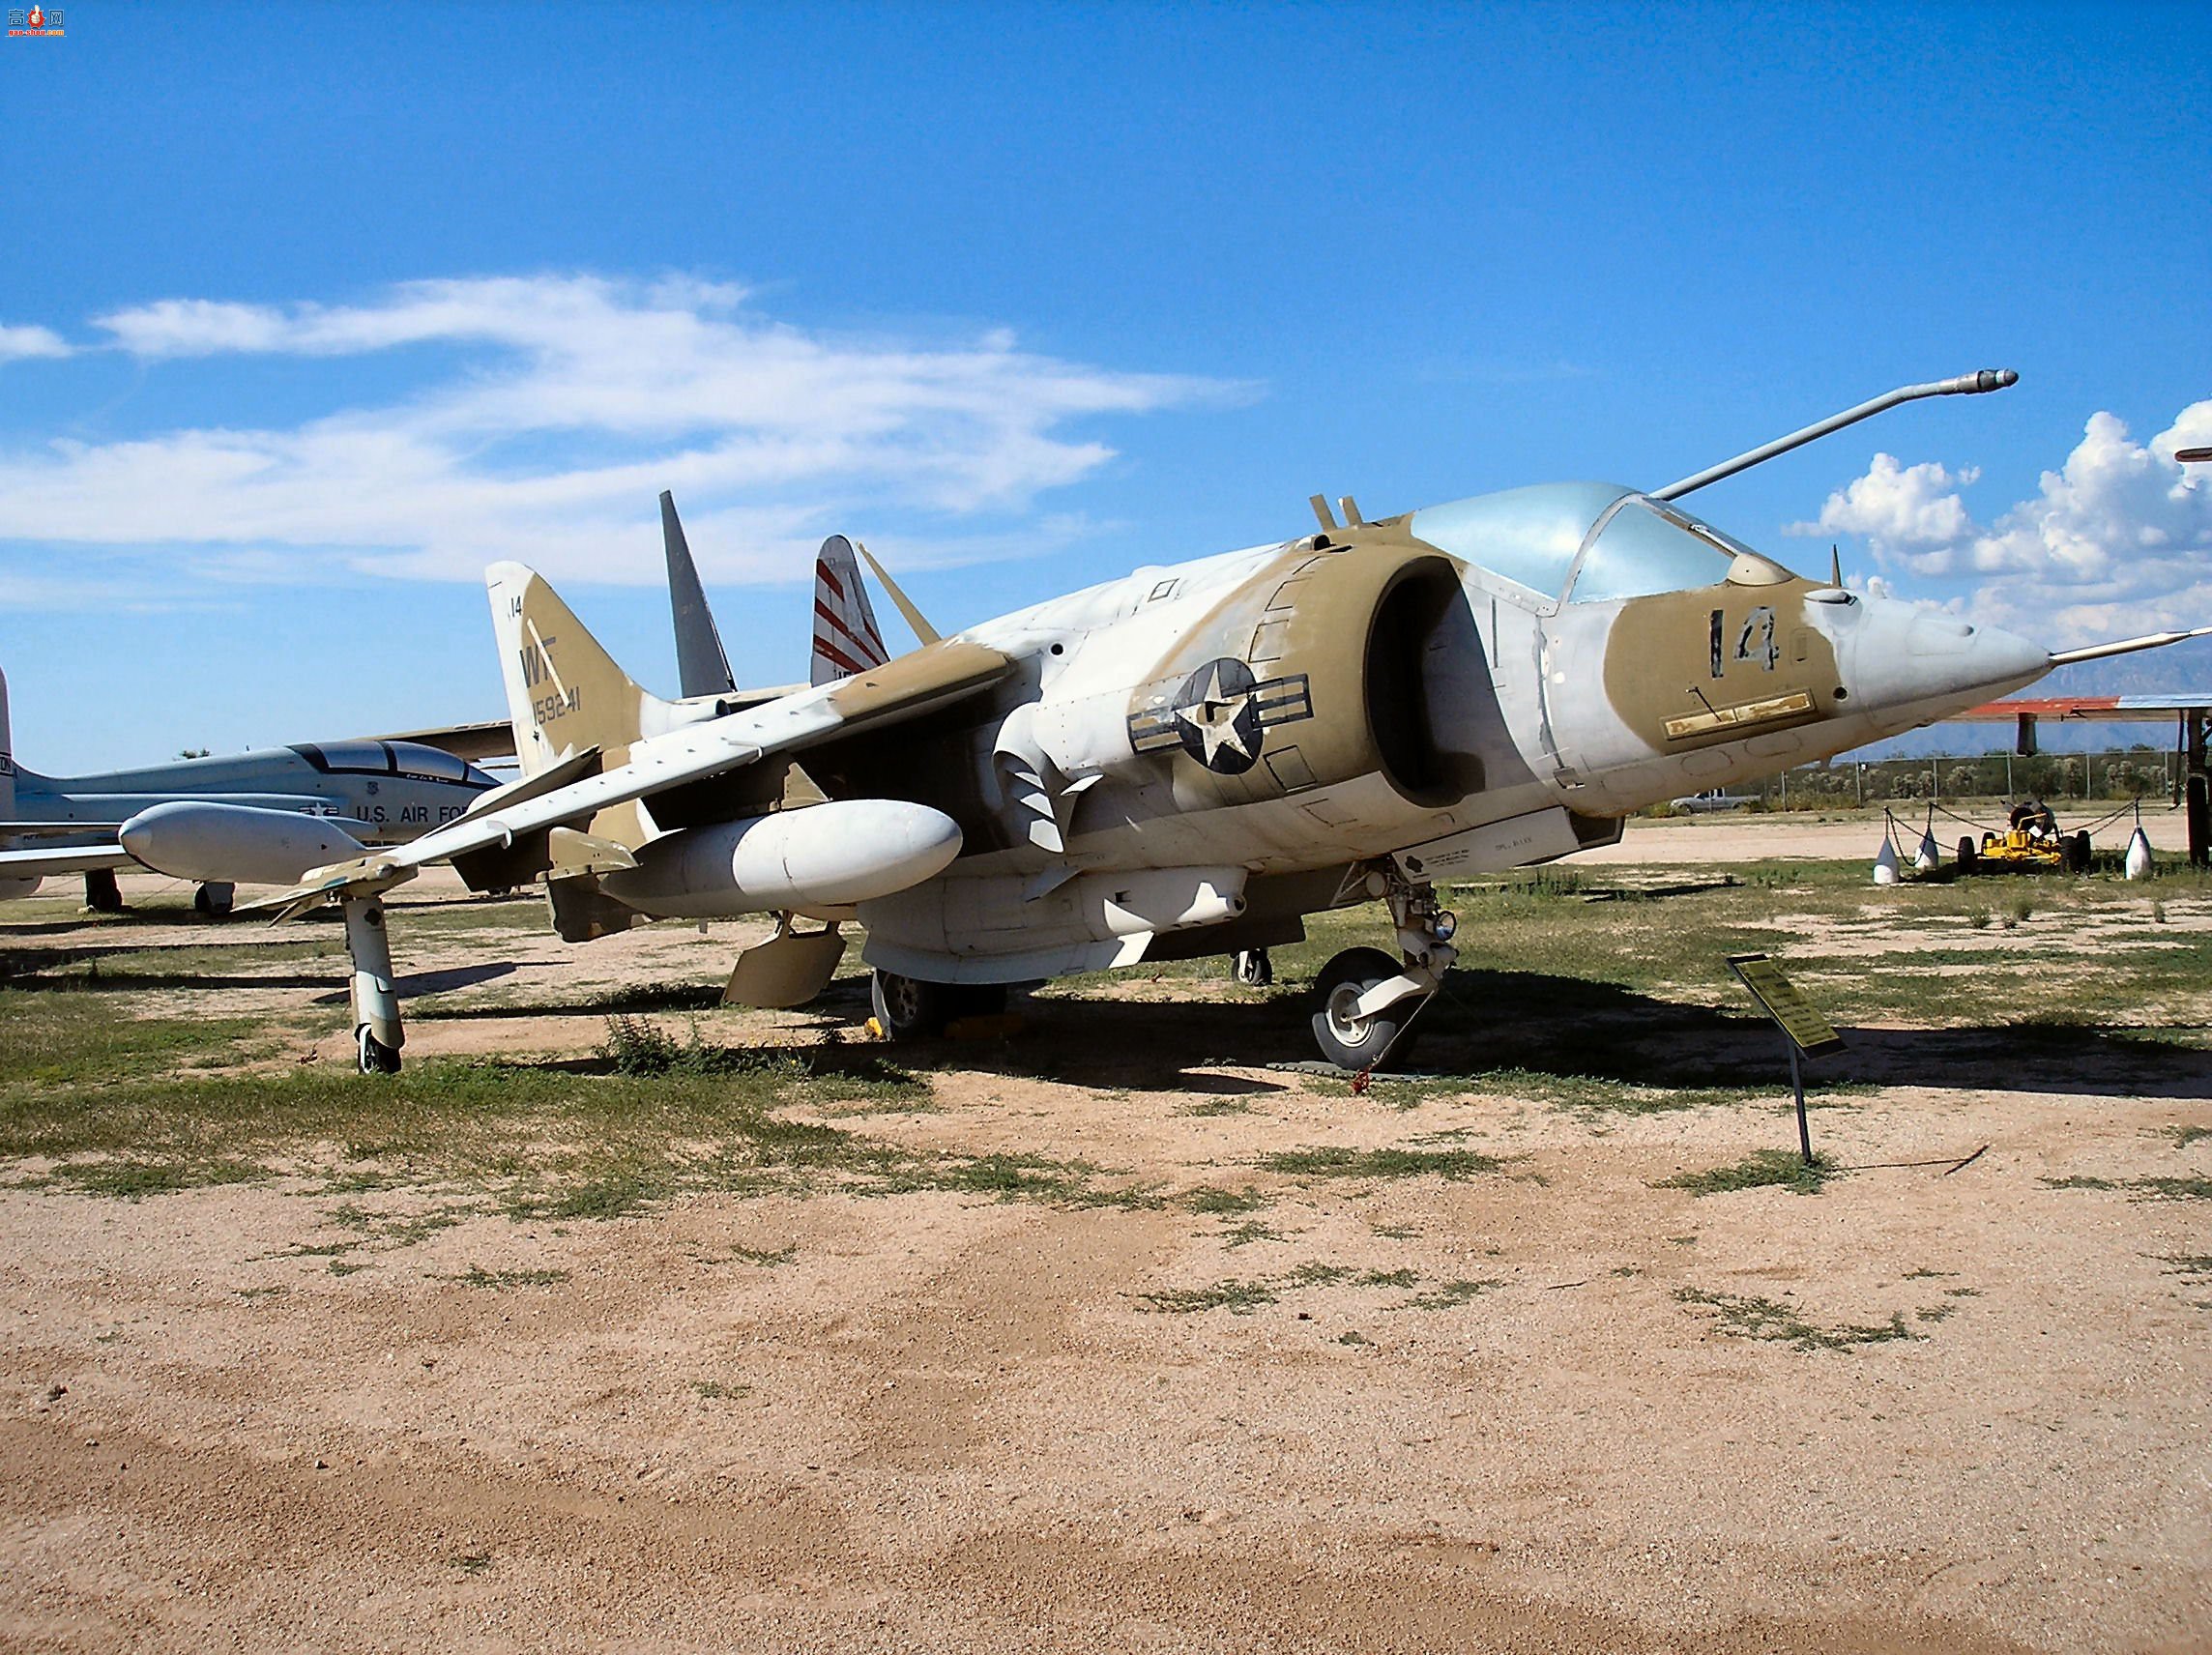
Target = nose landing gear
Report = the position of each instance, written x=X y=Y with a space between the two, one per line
x=377 y=1032
x=1368 y=1000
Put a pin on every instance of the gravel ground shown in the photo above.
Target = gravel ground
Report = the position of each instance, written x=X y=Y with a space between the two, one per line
x=1554 y=1406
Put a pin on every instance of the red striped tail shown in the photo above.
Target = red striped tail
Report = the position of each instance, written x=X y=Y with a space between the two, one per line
x=846 y=637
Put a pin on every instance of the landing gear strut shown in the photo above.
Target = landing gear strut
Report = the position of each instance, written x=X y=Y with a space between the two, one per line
x=1367 y=998
x=376 y=1030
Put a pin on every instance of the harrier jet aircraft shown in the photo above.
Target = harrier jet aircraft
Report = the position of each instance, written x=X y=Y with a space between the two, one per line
x=1189 y=759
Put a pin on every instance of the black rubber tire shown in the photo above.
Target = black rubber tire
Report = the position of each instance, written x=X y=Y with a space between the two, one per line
x=208 y=904
x=102 y=894
x=1350 y=1043
x=2078 y=852
x=1252 y=968
x=1967 y=853
x=907 y=1008
x=375 y=1057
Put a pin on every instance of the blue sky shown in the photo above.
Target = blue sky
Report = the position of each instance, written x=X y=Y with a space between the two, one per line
x=314 y=310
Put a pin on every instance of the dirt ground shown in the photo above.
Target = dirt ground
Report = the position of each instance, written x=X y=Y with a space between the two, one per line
x=1946 y=1403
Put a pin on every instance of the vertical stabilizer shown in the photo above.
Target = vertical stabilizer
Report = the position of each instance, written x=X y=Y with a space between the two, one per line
x=564 y=692
x=846 y=637
x=702 y=668
x=7 y=759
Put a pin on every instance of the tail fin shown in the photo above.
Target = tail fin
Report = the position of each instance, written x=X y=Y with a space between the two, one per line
x=7 y=759
x=564 y=692
x=701 y=666
x=846 y=637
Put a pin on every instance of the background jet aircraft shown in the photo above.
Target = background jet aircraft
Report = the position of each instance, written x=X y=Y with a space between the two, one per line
x=1189 y=759
x=266 y=817
x=262 y=817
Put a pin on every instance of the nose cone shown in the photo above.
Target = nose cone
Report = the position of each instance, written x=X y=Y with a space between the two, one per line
x=1904 y=667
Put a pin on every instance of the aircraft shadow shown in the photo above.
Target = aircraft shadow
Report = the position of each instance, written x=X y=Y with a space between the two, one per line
x=1573 y=1028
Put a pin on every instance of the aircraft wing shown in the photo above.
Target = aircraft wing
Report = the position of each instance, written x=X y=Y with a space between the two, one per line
x=2102 y=709
x=55 y=829
x=906 y=688
x=476 y=744
x=39 y=863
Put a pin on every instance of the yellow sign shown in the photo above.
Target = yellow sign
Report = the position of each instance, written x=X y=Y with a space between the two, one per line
x=1779 y=999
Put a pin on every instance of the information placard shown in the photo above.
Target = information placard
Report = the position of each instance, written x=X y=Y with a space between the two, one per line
x=1778 y=996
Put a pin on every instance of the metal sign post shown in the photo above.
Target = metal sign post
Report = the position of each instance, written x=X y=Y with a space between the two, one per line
x=1805 y=1032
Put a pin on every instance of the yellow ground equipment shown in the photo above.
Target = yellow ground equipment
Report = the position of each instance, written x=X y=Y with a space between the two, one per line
x=2031 y=843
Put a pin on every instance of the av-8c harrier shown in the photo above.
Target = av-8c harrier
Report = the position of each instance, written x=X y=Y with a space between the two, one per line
x=1189 y=759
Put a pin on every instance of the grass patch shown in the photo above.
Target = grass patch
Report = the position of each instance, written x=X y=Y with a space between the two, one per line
x=2150 y=1188
x=2193 y=1268
x=1323 y=1162
x=620 y=1195
x=130 y=1180
x=1250 y=1230
x=1237 y=1298
x=766 y=1258
x=714 y=1390
x=1451 y=1294
x=1764 y=1169
x=1209 y=1201
x=502 y=1281
x=2184 y=1136
x=1743 y=1316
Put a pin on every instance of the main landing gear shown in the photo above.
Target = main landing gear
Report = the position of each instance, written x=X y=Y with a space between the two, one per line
x=376 y=1030
x=1368 y=1000
x=215 y=901
x=1252 y=968
x=907 y=1008
x=102 y=894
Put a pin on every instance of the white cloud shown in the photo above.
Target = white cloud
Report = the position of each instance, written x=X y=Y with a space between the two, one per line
x=18 y=342
x=551 y=412
x=1898 y=506
x=2118 y=539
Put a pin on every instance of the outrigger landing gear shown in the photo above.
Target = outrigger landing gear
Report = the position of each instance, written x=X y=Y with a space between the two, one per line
x=1367 y=998
x=376 y=1030
x=1253 y=968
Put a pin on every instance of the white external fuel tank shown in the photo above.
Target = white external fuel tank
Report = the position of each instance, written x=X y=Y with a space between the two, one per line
x=823 y=856
x=236 y=844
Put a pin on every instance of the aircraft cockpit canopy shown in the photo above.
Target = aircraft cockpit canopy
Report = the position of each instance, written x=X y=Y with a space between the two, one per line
x=1592 y=542
x=410 y=759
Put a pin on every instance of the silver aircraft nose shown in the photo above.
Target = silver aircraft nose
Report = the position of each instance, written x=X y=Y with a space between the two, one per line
x=1906 y=667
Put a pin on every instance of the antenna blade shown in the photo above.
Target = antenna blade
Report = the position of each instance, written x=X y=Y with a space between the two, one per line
x=1834 y=566
x=923 y=630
